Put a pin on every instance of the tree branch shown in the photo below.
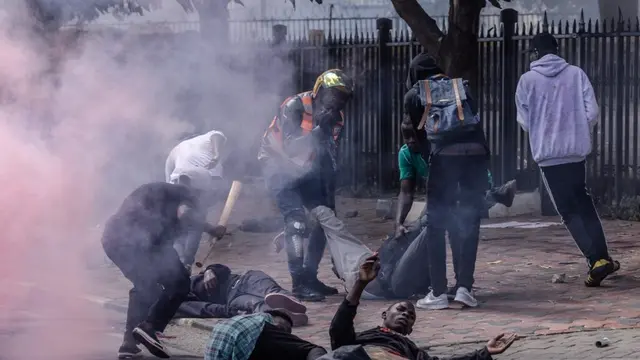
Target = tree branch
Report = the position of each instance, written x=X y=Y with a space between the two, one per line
x=424 y=27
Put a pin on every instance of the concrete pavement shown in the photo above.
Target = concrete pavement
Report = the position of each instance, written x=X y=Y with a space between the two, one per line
x=40 y=327
x=516 y=262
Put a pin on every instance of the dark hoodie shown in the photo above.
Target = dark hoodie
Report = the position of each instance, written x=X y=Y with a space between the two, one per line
x=342 y=333
x=422 y=67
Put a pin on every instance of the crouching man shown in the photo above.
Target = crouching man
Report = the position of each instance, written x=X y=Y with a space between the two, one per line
x=139 y=239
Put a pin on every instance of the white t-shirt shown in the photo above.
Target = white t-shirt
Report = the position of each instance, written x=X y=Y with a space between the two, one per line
x=198 y=157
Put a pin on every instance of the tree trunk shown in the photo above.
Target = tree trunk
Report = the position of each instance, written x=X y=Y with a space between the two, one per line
x=214 y=21
x=611 y=9
x=457 y=50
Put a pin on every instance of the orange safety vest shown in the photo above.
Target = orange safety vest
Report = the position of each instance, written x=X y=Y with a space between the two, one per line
x=275 y=134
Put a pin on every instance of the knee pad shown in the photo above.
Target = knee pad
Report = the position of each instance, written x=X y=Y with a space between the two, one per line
x=295 y=231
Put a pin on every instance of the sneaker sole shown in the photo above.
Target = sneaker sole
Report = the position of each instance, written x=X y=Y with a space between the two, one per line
x=155 y=347
x=122 y=355
x=432 y=307
x=280 y=301
x=465 y=303
x=297 y=319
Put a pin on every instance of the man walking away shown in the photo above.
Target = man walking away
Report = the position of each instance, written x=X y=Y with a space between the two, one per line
x=457 y=179
x=557 y=107
x=139 y=239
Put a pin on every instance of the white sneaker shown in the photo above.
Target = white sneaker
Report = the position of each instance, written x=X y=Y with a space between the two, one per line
x=466 y=297
x=431 y=302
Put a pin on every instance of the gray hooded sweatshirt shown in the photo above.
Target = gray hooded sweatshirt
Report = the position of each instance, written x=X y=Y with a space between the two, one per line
x=557 y=107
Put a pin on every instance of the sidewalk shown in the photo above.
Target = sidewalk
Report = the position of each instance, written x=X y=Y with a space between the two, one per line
x=516 y=261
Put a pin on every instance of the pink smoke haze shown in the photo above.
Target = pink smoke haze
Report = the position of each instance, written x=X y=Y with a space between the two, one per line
x=54 y=146
x=84 y=119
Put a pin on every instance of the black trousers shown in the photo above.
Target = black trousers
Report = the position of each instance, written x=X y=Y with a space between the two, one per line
x=252 y=287
x=160 y=281
x=404 y=269
x=246 y=294
x=455 y=192
x=567 y=186
x=276 y=343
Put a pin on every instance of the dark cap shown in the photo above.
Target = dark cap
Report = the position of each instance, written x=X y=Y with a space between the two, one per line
x=542 y=42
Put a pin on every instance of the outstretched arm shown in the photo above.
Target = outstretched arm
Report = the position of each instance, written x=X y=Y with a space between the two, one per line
x=342 y=331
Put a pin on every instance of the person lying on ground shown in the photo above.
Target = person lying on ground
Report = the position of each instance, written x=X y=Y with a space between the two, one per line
x=260 y=336
x=397 y=324
x=401 y=259
x=414 y=169
x=139 y=238
x=198 y=161
x=219 y=293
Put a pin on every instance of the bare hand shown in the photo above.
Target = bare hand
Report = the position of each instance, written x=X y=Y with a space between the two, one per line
x=500 y=343
x=210 y=280
x=369 y=269
x=218 y=232
x=400 y=230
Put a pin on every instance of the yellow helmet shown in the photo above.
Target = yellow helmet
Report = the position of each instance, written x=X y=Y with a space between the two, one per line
x=333 y=79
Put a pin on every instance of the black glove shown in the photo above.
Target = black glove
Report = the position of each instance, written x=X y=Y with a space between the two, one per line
x=326 y=120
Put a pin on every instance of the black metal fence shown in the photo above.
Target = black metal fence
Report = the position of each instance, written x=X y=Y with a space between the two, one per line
x=608 y=52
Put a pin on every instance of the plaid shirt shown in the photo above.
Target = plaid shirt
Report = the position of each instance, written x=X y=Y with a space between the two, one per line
x=234 y=339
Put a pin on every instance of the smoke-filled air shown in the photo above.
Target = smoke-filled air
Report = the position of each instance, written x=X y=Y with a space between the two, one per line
x=86 y=117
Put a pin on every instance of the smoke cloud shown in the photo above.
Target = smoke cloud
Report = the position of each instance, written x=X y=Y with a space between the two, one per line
x=85 y=117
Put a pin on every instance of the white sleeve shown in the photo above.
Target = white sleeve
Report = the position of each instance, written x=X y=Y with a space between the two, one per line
x=522 y=104
x=170 y=165
x=590 y=103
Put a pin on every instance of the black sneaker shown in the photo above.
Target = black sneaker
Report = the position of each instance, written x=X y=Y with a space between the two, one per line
x=321 y=287
x=145 y=334
x=600 y=270
x=129 y=350
x=506 y=193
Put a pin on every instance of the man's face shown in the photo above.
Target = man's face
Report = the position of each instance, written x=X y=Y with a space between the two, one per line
x=332 y=99
x=400 y=317
x=410 y=138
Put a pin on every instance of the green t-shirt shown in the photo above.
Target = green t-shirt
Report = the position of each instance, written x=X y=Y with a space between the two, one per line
x=413 y=167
